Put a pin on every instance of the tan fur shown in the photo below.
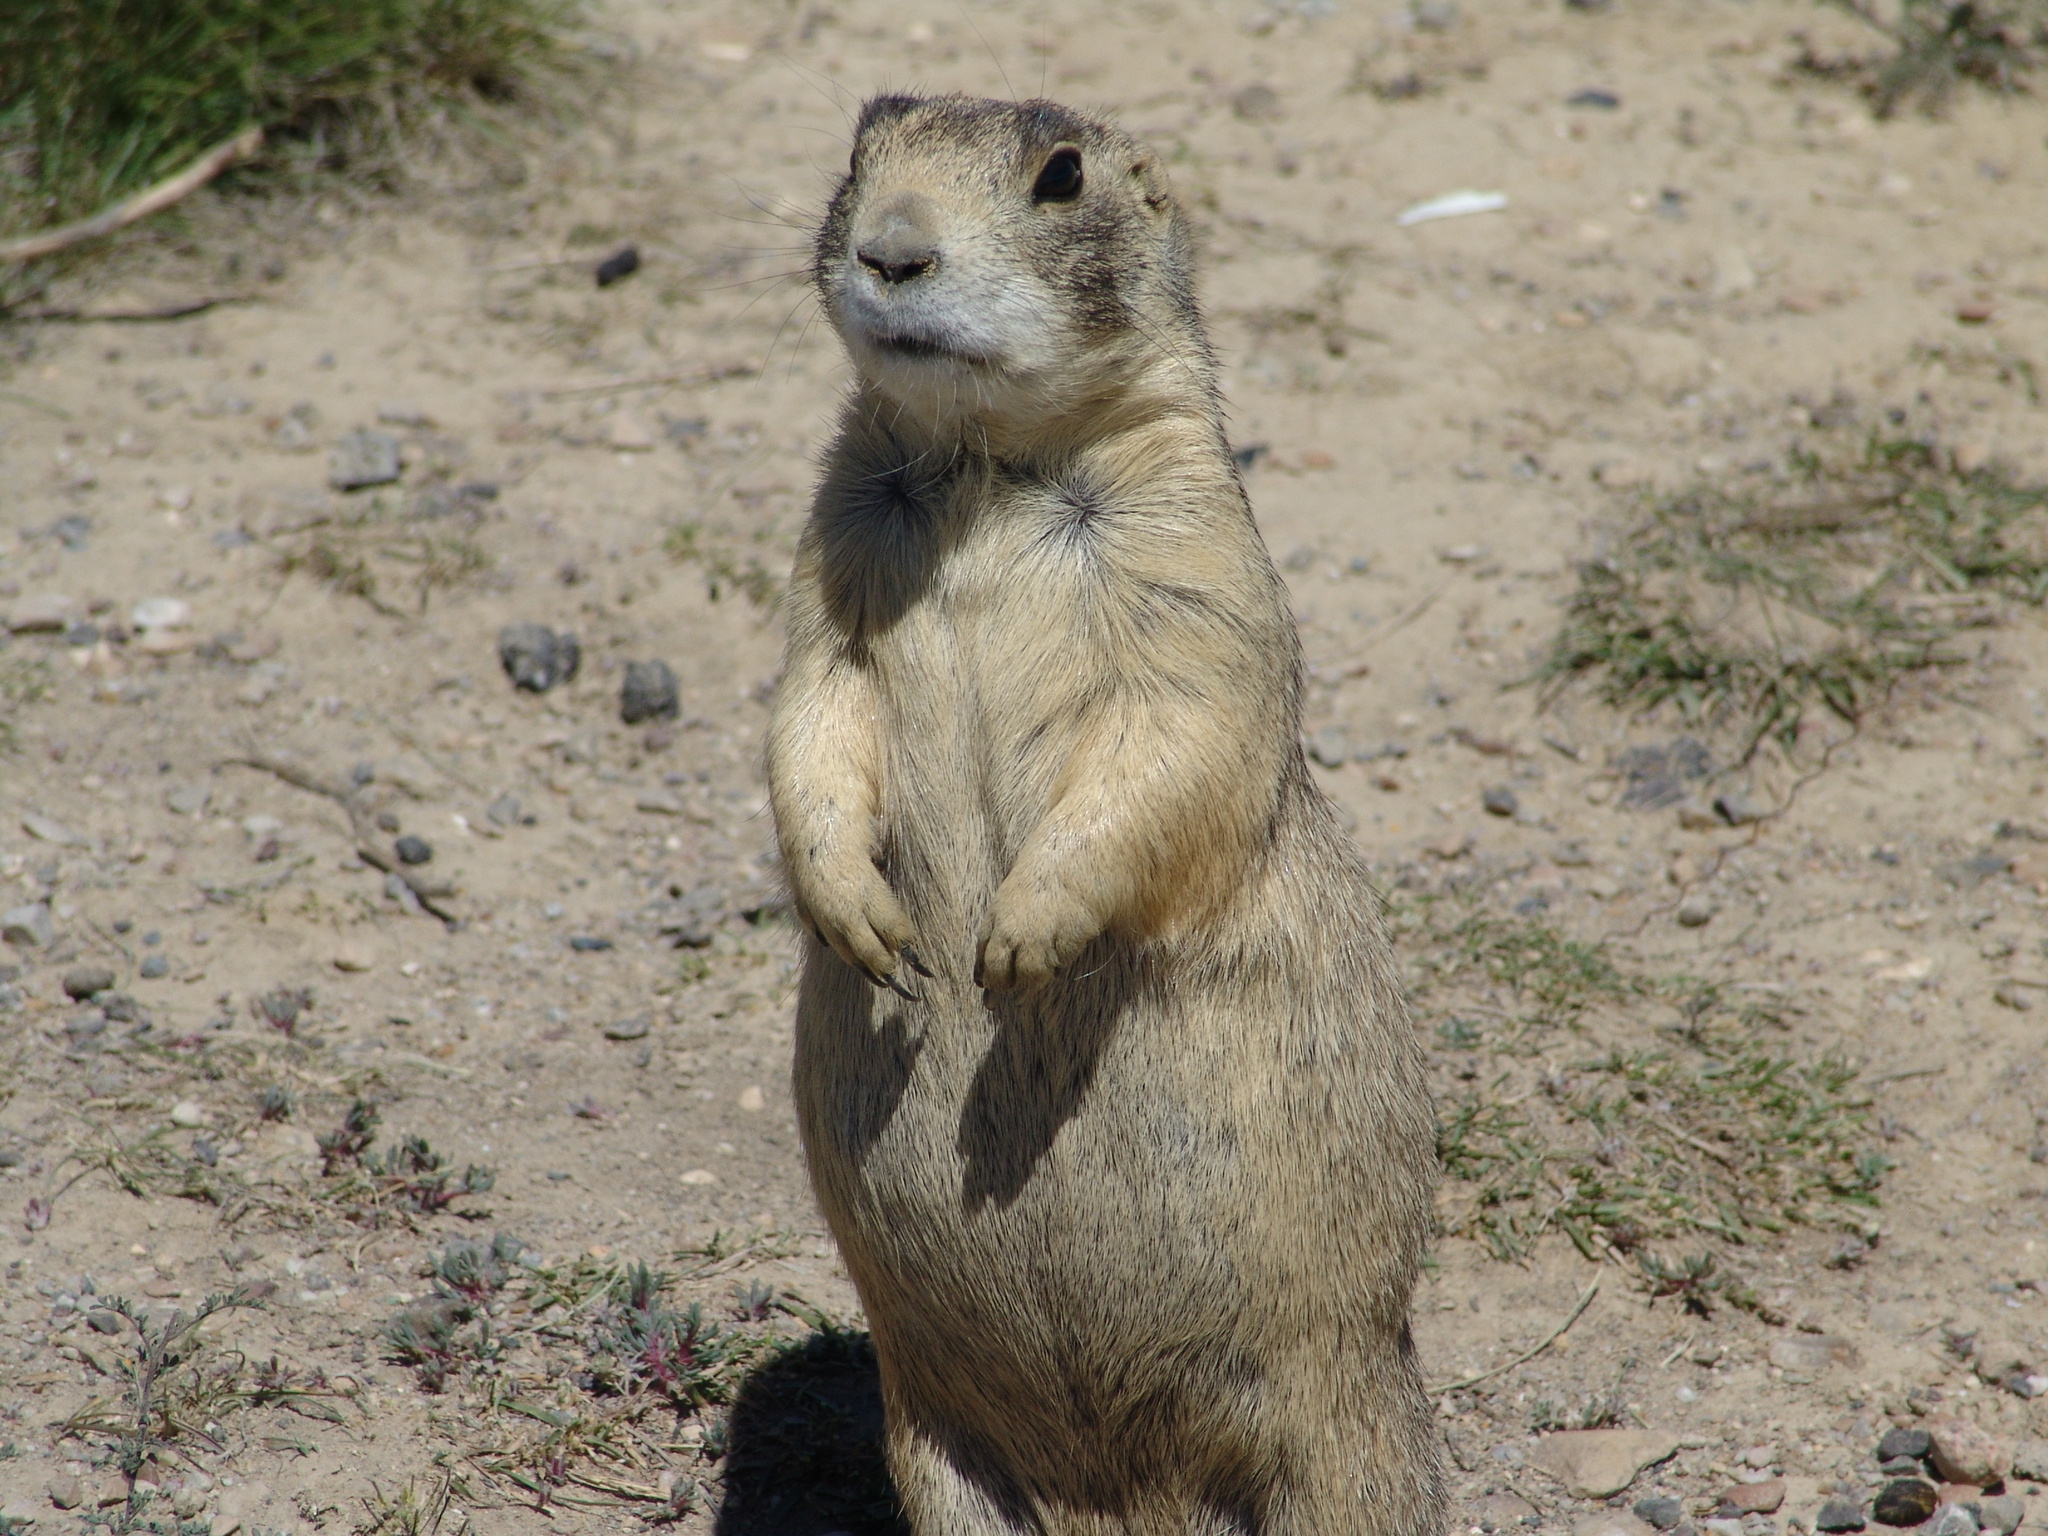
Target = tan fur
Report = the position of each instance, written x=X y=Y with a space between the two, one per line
x=1106 y=1085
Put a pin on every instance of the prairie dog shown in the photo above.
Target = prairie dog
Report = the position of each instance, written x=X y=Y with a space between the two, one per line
x=1105 y=1081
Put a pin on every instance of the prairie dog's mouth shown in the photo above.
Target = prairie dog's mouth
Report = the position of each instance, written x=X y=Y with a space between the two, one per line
x=901 y=344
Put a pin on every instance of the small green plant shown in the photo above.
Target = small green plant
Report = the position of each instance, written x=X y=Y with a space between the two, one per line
x=1939 y=44
x=411 y=1177
x=1819 y=587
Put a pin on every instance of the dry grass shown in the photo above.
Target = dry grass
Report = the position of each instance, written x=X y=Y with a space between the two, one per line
x=1937 y=45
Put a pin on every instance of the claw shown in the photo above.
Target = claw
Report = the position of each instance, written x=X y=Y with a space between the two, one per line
x=901 y=990
x=910 y=959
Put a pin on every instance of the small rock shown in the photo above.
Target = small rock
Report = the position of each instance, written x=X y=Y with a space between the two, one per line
x=413 y=850
x=21 y=1510
x=623 y=262
x=47 y=829
x=1754 y=1498
x=2030 y=1460
x=188 y=799
x=1696 y=910
x=1594 y=1463
x=1330 y=747
x=504 y=811
x=27 y=927
x=42 y=613
x=1695 y=815
x=1729 y=1526
x=1904 y=1501
x=648 y=693
x=187 y=1116
x=751 y=1100
x=585 y=944
x=1953 y=1520
x=1738 y=809
x=1964 y=1453
x=659 y=803
x=363 y=458
x=635 y=1028
x=1256 y=103
x=1904 y=1442
x=1500 y=801
x=154 y=968
x=2001 y=1515
x=353 y=957
x=1612 y=1522
x=1660 y=1510
x=161 y=613
x=629 y=434
x=84 y=981
x=1812 y=1352
x=1839 y=1513
x=700 y=1176
x=65 y=1491
x=536 y=658
x=403 y=413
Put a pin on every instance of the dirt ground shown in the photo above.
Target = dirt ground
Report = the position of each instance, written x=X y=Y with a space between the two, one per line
x=1445 y=417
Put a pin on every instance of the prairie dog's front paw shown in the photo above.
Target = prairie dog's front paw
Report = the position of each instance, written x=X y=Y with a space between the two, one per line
x=1032 y=931
x=860 y=917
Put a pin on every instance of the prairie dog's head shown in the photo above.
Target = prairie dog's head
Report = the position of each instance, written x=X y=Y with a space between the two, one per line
x=1004 y=260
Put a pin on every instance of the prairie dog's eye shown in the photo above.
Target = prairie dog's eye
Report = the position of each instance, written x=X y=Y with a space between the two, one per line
x=1060 y=179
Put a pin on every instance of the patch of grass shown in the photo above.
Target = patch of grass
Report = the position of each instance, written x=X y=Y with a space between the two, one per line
x=101 y=97
x=1618 y=1107
x=1818 y=588
x=1939 y=44
x=723 y=571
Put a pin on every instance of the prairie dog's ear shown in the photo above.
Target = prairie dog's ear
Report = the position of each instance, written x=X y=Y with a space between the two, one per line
x=1150 y=182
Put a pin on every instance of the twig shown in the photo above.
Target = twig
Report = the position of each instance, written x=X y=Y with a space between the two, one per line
x=1585 y=1301
x=1682 y=1348
x=710 y=375
x=1900 y=1077
x=177 y=309
x=428 y=894
x=142 y=205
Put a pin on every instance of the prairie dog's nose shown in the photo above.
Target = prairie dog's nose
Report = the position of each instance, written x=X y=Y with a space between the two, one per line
x=899 y=244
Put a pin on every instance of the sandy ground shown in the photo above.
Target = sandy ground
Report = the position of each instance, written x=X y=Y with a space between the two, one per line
x=1448 y=413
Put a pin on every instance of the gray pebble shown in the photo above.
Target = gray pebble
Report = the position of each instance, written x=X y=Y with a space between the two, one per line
x=1696 y=910
x=1661 y=1511
x=1839 y=1514
x=363 y=458
x=536 y=658
x=28 y=927
x=155 y=967
x=413 y=850
x=1904 y=1442
x=188 y=799
x=1738 y=809
x=1330 y=746
x=83 y=981
x=1500 y=801
x=2002 y=1514
x=635 y=1028
x=648 y=693
x=1953 y=1520
x=504 y=811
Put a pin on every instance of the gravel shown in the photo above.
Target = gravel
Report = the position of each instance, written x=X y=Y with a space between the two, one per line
x=648 y=693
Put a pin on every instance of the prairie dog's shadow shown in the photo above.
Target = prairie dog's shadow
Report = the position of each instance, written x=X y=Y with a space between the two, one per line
x=804 y=1445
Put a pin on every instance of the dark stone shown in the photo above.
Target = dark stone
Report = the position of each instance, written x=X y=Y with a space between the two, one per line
x=648 y=693
x=623 y=262
x=84 y=981
x=1839 y=1514
x=1605 y=101
x=1904 y=1501
x=102 y=1321
x=536 y=658
x=154 y=968
x=1662 y=1511
x=1902 y=1466
x=1500 y=801
x=1657 y=776
x=583 y=944
x=1904 y=1442
x=413 y=850
x=362 y=459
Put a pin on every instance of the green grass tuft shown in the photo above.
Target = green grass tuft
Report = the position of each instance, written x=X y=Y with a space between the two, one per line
x=99 y=98
x=1819 y=588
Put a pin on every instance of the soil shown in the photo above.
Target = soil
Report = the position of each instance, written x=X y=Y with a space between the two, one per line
x=1439 y=418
